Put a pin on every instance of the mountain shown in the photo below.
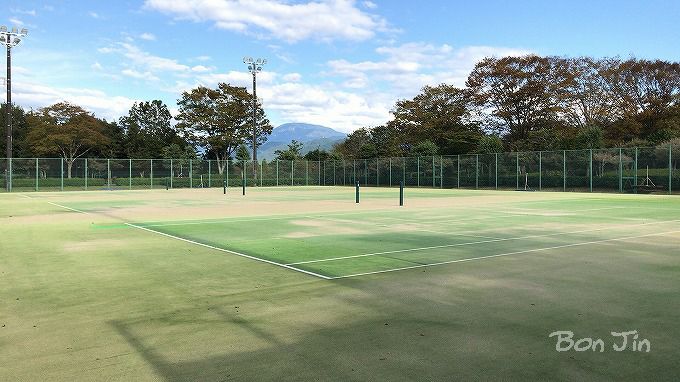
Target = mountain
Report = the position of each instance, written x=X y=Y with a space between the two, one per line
x=311 y=136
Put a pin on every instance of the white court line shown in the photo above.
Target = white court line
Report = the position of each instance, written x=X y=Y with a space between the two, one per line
x=68 y=208
x=25 y=196
x=473 y=243
x=228 y=251
x=506 y=254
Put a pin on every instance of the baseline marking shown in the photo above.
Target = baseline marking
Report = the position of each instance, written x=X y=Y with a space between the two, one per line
x=229 y=251
x=473 y=243
x=506 y=254
x=68 y=208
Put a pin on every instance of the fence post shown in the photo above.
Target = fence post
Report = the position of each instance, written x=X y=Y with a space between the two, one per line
x=636 y=170
x=36 y=174
x=209 y=176
x=476 y=171
x=390 y=171
x=458 y=172
x=496 y=171
x=191 y=173
x=517 y=171
x=335 y=164
x=86 y=176
x=292 y=169
x=540 y=170
x=366 y=172
x=172 y=173
x=441 y=171
x=670 y=169
x=433 y=173
x=590 y=169
x=344 y=173
x=61 y=187
x=108 y=172
x=9 y=174
x=226 y=166
x=620 y=171
x=377 y=172
x=261 y=173
x=418 y=174
x=277 y=172
x=129 y=174
x=403 y=170
x=564 y=170
x=151 y=172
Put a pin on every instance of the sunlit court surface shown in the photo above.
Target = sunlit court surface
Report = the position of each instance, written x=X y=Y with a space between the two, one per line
x=303 y=283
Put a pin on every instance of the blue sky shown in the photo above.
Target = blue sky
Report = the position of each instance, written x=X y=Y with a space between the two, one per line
x=339 y=63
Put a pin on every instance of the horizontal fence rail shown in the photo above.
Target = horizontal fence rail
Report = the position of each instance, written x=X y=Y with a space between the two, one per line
x=623 y=170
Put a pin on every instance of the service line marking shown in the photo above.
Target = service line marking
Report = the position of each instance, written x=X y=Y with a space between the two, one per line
x=506 y=254
x=229 y=251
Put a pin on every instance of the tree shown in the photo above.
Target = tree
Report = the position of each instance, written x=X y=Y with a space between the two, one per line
x=20 y=147
x=242 y=153
x=425 y=148
x=147 y=128
x=320 y=155
x=490 y=144
x=220 y=120
x=291 y=153
x=66 y=130
x=180 y=154
x=441 y=114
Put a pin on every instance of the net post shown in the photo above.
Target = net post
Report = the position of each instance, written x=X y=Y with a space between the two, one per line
x=590 y=169
x=224 y=186
x=670 y=168
x=357 y=192
x=243 y=178
x=129 y=174
x=401 y=194
x=476 y=171
x=36 y=174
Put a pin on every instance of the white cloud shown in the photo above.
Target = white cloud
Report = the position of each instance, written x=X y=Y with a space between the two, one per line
x=370 y=5
x=148 y=36
x=94 y=15
x=322 y=20
x=202 y=58
x=16 y=21
x=201 y=69
x=35 y=96
x=292 y=77
x=30 y=12
x=139 y=75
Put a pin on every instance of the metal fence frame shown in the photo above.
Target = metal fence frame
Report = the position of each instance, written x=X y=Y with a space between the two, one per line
x=593 y=170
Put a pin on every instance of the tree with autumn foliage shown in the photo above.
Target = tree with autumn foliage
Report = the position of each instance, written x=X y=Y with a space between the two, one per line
x=65 y=130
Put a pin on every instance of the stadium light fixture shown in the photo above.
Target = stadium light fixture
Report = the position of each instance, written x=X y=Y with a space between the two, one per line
x=10 y=39
x=254 y=67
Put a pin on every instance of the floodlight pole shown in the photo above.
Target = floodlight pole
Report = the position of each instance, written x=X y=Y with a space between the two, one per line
x=254 y=66
x=10 y=38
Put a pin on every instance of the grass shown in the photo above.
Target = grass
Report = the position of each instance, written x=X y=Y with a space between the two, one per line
x=488 y=276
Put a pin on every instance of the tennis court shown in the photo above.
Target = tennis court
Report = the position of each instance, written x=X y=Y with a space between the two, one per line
x=375 y=285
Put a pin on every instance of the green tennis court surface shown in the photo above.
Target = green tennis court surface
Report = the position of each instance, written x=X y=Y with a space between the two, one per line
x=304 y=284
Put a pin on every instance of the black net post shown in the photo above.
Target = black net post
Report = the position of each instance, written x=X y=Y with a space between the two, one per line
x=357 y=192
x=401 y=193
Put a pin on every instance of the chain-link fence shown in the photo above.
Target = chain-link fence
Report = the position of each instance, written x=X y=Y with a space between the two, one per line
x=631 y=170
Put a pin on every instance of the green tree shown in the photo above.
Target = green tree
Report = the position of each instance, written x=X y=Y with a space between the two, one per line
x=242 y=153
x=219 y=120
x=321 y=155
x=67 y=130
x=290 y=153
x=425 y=148
x=147 y=128
x=490 y=144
